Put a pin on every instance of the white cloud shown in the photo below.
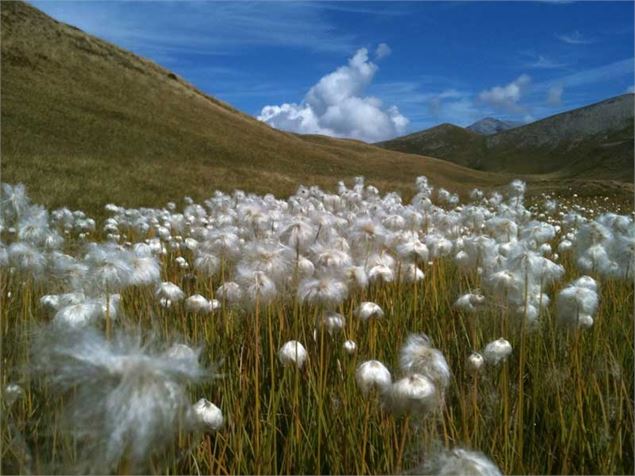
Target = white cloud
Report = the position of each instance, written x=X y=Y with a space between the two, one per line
x=600 y=74
x=438 y=102
x=554 y=95
x=382 y=51
x=574 y=38
x=630 y=89
x=542 y=62
x=172 y=28
x=335 y=106
x=506 y=97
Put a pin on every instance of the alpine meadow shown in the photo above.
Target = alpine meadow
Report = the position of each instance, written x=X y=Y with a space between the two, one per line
x=325 y=286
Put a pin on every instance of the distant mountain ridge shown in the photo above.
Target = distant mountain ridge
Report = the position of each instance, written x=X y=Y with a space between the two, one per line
x=595 y=141
x=490 y=125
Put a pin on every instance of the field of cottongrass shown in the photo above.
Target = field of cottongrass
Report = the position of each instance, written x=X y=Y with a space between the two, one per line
x=332 y=332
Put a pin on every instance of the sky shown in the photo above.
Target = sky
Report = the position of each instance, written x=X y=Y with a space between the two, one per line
x=376 y=70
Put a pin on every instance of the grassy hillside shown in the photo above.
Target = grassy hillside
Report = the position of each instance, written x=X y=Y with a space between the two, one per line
x=456 y=144
x=85 y=123
x=594 y=142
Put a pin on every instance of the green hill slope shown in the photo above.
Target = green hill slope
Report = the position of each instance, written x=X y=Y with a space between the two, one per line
x=446 y=141
x=85 y=122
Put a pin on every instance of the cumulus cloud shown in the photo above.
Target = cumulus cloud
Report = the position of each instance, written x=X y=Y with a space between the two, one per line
x=336 y=106
x=382 y=51
x=506 y=97
x=554 y=95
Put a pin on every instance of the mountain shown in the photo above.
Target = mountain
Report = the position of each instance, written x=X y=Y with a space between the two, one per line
x=442 y=141
x=592 y=142
x=490 y=125
x=85 y=123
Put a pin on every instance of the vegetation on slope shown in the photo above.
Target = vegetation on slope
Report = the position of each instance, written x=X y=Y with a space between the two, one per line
x=85 y=123
x=591 y=142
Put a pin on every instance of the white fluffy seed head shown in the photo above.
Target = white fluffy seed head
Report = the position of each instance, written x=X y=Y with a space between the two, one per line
x=197 y=304
x=415 y=393
x=459 y=462
x=372 y=374
x=135 y=391
x=368 y=310
x=586 y=282
x=169 y=291
x=417 y=356
x=350 y=347
x=497 y=351
x=230 y=291
x=292 y=353
x=183 y=353
x=12 y=392
x=333 y=322
x=208 y=415
x=577 y=303
x=475 y=362
x=470 y=302
x=326 y=291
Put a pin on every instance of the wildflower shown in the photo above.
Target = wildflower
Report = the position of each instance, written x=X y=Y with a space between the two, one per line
x=54 y=302
x=198 y=304
x=497 y=351
x=305 y=267
x=292 y=353
x=182 y=262
x=208 y=415
x=12 y=393
x=333 y=322
x=459 y=461
x=381 y=273
x=230 y=292
x=418 y=356
x=170 y=291
x=586 y=282
x=109 y=268
x=14 y=201
x=350 y=347
x=577 y=303
x=326 y=291
x=372 y=374
x=367 y=310
x=332 y=259
x=357 y=277
x=413 y=250
x=470 y=302
x=127 y=401
x=79 y=313
x=270 y=258
x=206 y=263
x=475 y=361
x=298 y=235
x=412 y=274
x=27 y=258
x=258 y=287
x=182 y=352
x=412 y=394
x=145 y=269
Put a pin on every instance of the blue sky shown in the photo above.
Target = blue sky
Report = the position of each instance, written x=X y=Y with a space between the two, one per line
x=316 y=67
